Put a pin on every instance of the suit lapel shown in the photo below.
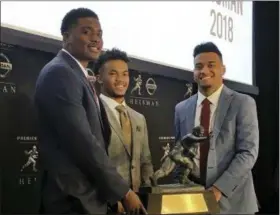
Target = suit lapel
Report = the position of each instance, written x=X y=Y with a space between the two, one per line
x=115 y=125
x=74 y=65
x=190 y=114
x=71 y=62
x=106 y=125
x=134 y=134
x=221 y=111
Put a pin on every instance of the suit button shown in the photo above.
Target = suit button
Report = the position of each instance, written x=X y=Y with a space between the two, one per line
x=132 y=167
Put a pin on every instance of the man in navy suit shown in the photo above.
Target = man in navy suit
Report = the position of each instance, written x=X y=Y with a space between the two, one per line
x=78 y=176
x=225 y=162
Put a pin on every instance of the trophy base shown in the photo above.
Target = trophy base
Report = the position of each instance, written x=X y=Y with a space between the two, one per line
x=178 y=199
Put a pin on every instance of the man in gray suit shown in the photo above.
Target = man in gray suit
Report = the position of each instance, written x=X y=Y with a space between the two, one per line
x=129 y=147
x=78 y=176
x=225 y=162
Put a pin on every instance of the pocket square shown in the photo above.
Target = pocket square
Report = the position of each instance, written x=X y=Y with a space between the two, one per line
x=138 y=128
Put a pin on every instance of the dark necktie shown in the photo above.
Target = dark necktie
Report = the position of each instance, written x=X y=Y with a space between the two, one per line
x=91 y=81
x=204 y=148
x=102 y=113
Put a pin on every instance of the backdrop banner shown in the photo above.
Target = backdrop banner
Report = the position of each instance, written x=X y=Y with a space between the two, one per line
x=20 y=184
x=153 y=96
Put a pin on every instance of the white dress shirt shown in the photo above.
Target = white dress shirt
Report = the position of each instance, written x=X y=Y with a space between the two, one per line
x=214 y=99
x=112 y=104
x=80 y=65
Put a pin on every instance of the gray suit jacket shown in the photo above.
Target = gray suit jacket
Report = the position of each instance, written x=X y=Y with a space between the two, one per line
x=233 y=148
x=73 y=140
x=135 y=166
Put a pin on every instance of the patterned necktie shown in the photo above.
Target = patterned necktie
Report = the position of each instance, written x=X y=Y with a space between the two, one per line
x=125 y=124
x=204 y=148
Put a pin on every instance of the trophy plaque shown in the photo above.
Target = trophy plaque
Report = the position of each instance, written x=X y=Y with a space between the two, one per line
x=187 y=197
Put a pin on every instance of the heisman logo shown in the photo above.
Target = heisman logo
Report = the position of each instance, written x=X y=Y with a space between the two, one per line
x=189 y=91
x=5 y=66
x=32 y=159
x=150 y=85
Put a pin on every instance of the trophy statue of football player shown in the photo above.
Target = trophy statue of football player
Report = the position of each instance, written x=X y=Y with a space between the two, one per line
x=182 y=154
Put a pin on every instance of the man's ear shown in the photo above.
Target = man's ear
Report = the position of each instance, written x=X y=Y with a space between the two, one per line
x=65 y=37
x=223 y=70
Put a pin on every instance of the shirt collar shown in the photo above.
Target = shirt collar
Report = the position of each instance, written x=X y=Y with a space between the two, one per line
x=213 y=98
x=111 y=102
x=80 y=65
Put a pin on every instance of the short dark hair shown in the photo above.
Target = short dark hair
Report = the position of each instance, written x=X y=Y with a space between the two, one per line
x=207 y=47
x=71 y=18
x=113 y=54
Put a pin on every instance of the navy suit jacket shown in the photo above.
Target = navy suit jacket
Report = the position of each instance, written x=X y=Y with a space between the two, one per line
x=73 y=141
